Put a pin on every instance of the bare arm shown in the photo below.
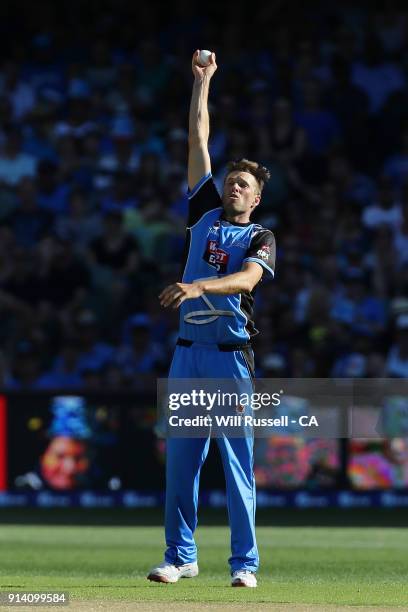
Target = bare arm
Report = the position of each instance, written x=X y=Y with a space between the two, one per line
x=242 y=281
x=199 y=124
x=239 y=282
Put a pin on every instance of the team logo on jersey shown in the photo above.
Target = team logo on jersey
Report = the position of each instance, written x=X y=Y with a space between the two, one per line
x=215 y=228
x=264 y=252
x=216 y=257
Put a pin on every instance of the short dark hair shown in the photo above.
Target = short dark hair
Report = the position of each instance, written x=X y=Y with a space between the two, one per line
x=261 y=174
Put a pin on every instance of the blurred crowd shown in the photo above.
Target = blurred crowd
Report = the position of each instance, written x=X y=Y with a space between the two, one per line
x=94 y=104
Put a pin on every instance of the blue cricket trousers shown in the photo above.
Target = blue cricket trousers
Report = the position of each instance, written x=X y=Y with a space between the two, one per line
x=185 y=458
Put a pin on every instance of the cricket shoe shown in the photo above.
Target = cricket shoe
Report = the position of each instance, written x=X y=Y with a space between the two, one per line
x=166 y=572
x=243 y=578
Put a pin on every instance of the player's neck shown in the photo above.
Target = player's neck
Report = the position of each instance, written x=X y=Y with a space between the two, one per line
x=240 y=218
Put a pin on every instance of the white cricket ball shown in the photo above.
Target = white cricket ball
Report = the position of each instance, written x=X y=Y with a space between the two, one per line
x=204 y=57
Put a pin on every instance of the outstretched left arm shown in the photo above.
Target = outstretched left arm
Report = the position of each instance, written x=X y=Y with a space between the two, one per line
x=240 y=282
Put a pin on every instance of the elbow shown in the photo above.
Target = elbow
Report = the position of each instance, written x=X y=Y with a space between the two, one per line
x=197 y=140
x=248 y=285
x=249 y=282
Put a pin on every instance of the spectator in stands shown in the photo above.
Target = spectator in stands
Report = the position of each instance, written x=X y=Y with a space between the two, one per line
x=14 y=163
x=28 y=221
x=94 y=353
x=386 y=210
x=140 y=355
x=18 y=92
x=397 y=358
x=81 y=224
x=396 y=166
x=401 y=233
x=26 y=369
x=52 y=195
x=115 y=248
x=321 y=125
x=376 y=75
x=64 y=372
x=123 y=159
x=63 y=276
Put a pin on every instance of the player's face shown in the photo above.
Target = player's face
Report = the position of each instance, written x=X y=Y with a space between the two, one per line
x=241 y=193
x=63 y=462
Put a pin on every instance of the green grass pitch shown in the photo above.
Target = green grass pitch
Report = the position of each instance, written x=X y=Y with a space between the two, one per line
x=309 y=565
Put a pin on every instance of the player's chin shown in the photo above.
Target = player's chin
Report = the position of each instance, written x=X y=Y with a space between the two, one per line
x=231 y=205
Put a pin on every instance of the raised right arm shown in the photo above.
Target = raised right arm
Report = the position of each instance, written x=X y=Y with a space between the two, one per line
x=199 y=163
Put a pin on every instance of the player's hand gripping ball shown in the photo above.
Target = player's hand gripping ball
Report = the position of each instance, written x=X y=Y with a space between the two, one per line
x=204 y=57
x=203 y=64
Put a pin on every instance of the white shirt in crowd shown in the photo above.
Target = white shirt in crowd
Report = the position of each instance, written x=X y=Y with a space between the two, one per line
x=376 y=215
x=12 y=170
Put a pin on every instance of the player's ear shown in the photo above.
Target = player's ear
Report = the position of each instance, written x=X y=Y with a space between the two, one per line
x=257 y=200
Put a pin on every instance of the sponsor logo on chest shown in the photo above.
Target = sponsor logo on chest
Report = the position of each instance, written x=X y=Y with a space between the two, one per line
x=216 y=257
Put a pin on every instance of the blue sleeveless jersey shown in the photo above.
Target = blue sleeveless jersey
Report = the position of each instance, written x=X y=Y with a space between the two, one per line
x=214 y=248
